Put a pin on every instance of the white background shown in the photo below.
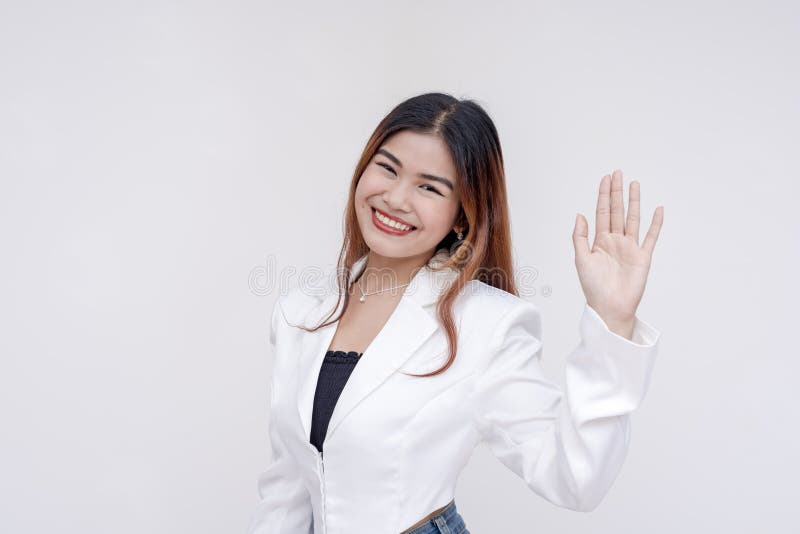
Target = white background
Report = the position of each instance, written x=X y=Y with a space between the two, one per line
x=154 y=155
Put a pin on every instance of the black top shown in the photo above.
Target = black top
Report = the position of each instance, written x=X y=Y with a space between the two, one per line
x=333 y=375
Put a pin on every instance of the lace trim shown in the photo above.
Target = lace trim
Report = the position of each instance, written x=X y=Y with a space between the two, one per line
x=347 y=354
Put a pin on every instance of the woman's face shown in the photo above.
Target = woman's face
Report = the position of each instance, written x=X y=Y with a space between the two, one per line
x=412 y=180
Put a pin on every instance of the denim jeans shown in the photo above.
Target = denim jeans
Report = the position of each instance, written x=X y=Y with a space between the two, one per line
x=448 y=521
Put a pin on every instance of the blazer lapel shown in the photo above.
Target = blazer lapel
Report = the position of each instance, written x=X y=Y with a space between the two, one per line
x=411 y=323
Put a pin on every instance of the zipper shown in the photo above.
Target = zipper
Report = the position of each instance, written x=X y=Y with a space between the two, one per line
x=322 y=469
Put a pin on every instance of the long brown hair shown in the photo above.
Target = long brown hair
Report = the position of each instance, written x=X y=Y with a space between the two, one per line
x=485 y=251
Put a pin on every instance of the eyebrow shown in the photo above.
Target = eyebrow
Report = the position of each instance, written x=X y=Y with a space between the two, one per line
x=396 y=161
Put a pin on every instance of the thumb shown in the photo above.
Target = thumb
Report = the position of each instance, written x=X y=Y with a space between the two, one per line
x=580 y=237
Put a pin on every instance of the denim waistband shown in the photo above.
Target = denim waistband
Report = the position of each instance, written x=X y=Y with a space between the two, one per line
x=448 y=521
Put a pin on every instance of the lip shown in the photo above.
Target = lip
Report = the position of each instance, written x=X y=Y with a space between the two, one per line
x=398 y=219
x=388 y=229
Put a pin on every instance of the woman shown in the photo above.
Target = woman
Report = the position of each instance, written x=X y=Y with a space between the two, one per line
x=382 y=388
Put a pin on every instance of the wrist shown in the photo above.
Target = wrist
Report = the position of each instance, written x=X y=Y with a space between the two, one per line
x=622 y=328
x=622 y=325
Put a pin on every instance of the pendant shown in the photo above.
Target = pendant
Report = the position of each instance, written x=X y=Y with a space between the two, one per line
x=362 y=298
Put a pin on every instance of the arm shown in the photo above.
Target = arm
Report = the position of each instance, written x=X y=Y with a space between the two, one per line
x=567 y=452
x=285 y=505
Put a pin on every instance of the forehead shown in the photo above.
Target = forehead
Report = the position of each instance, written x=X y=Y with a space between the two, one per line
x=427 y=153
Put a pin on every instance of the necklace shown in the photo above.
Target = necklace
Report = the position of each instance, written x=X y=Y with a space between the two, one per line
x=363 y=296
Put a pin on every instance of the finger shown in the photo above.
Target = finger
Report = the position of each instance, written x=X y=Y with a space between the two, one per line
x=617 y=204
x=580 y=237
x=632 y=224
x=652 y=233
x=603 y=212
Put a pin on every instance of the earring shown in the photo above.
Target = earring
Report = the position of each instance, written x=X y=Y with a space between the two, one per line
x=457 y=248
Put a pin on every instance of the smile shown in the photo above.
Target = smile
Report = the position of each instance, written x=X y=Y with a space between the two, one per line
x=389 y=225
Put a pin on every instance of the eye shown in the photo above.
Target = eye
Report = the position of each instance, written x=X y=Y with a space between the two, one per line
x=432 y=189
x=391 y=170
x=387 y=167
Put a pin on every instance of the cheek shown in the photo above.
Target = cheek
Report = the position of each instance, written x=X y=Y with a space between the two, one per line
x=435 y=216
x=368 y=185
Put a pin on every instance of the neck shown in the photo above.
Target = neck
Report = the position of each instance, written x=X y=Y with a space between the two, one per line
x=382 y=272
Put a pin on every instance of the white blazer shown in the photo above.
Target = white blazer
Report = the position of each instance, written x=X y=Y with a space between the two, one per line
x=396 y=444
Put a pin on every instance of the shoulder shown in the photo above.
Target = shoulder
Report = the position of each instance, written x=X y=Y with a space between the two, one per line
x=491 y=300
x=293 y=305
x=289 y=313
x=494 y=309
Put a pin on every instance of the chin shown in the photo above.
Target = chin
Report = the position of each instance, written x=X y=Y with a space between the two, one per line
x=387 y=249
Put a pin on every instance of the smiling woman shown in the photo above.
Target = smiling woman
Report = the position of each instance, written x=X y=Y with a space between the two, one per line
x=360 y=445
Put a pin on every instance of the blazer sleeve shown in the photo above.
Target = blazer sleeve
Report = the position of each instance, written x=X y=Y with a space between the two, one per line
x=285 y=505
x=567 y=452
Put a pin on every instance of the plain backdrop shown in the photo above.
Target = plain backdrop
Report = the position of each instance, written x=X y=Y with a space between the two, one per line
x=163 y=164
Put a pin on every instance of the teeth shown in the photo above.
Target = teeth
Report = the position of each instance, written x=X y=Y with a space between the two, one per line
x=391 y=222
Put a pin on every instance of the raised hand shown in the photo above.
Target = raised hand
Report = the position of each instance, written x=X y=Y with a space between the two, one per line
x=613 y=273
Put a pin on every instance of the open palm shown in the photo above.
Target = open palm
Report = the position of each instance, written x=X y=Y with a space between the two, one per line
x=613 y=272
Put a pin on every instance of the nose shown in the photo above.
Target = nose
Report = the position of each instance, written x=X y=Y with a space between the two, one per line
x=397 y=196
